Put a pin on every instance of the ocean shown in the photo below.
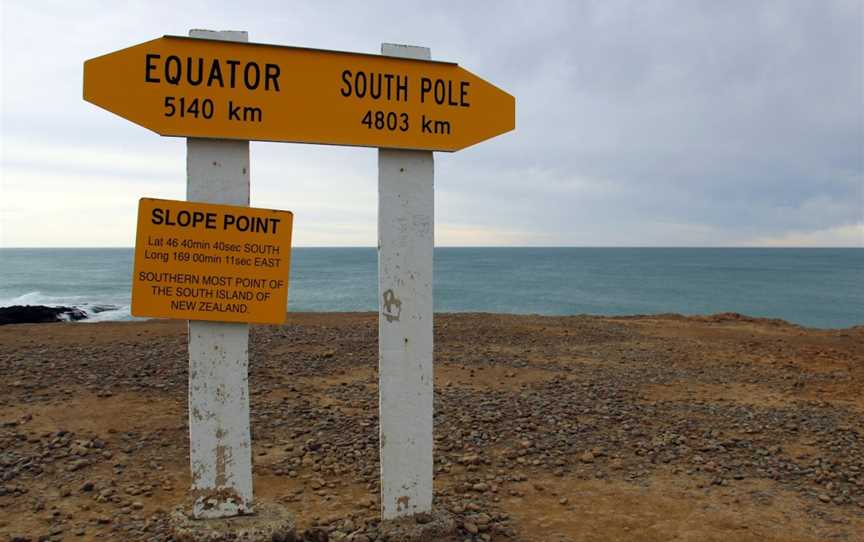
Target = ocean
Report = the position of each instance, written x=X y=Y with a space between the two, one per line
x=811 y=287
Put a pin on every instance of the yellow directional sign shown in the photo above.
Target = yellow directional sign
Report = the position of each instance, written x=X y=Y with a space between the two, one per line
x=194 y=87
x=202 y=261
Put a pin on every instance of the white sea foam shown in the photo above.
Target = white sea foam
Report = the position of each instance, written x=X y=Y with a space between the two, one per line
x=30 y=298
x=114 y=315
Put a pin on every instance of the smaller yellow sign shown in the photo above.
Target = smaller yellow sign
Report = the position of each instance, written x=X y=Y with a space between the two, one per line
x=199 y=261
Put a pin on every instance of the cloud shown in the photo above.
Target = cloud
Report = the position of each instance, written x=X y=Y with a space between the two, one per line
x=851 y=236
x=466 y=235
x=661 y=123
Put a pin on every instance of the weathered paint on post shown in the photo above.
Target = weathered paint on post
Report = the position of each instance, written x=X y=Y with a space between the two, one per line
x=406 y=222
x=219 y=436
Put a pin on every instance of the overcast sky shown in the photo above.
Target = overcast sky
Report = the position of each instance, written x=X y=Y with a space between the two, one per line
x=658 y=123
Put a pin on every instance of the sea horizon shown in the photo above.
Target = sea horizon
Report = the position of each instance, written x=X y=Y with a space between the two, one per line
x=813 y=286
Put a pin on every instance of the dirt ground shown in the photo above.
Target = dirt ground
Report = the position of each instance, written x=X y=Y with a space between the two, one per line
x=549 y=429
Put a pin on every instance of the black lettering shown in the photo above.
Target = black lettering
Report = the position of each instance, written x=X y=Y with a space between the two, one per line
x=233 y=64
x=252 y=84
x=189 y=71
x=425 y=87
x=183 y=218
x=401 y=88
x=357 y=92
x=346 y=80
x=211 y=221
x=157 y=216
x=172 y=78
x=427 y=125
x=439 y=92
x=389 y=78
x=463 y=94
x=215 y=74
x=377 y=86
x=450 y=101
x=227 y=221
x=150 y=67
x=271 y=75
x=275 y=222
x=233 y=111
x=372 y=92
x=254 y=114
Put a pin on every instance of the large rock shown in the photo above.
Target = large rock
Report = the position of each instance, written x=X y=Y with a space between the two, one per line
x=38 y=314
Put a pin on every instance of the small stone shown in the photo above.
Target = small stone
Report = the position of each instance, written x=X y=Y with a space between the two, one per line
x=824 y=498
x=587 y=457
x=563 y=500
x=315 y=535
x=470 y=459
x=77 y=465
x=471 y=527
x=88 y=486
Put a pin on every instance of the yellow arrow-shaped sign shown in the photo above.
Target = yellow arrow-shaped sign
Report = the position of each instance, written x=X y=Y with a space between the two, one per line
x=193 y=87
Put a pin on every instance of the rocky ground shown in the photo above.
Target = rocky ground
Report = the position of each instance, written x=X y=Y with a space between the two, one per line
x=546 y=428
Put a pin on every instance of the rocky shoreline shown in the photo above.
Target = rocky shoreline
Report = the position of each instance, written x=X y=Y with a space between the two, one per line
x=546 y=428
x=39 y=314
x=44 y=314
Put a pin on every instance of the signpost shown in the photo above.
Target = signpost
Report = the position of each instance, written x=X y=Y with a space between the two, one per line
x=190 y=87
x=406 y=227
x=220 y=438
x=211 y=262
x=221 y=92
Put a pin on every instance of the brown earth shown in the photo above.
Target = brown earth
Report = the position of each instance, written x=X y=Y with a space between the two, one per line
x=648 y=428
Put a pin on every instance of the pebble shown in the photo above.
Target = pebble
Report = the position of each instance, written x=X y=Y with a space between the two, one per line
x=490 y=441
x=471 y=527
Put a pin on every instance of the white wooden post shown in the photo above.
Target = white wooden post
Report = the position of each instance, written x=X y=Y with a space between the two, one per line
x=219 y=437
x=406 y=221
